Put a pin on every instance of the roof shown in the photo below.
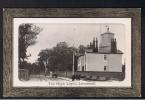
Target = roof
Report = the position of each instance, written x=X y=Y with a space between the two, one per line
x=118 y=52
x=107 y=33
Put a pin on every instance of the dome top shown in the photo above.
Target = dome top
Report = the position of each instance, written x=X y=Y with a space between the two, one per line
x=107 y=32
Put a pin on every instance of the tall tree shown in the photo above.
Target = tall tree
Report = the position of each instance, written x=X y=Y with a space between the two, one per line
x=59 y=57
x=82 y=49
x=96 y=44
x=44 y=57
x=94 y=48
x=27 y=37
x=113 y=46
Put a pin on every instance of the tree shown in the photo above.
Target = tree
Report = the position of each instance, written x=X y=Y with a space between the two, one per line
x=58 y=58
x=96 y=50
x=82 y=49
x=113 y=46
x=44 y=56
x=27 y=37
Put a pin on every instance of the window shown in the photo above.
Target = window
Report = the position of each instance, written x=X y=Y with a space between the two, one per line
x=105 y=57
x=104 y=68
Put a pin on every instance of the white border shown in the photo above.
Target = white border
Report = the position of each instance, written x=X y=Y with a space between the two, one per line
x=125 y=21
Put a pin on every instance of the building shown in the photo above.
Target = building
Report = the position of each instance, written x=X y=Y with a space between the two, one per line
x=105 y=58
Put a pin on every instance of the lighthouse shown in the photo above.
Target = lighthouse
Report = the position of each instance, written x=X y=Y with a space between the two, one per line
x=106 y=38
x=105 y=58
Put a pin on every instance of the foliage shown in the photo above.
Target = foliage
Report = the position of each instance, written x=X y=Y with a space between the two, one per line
x=33 y=68
x=113 y=46
x=59 y=57
x=27 y=37
x=82 y=49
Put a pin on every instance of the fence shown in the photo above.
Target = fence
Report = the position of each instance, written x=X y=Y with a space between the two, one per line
x=95 y=74
x=64 y=73
x=24 y=74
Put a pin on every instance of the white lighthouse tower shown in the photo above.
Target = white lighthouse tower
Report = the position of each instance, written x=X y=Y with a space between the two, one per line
x=105 y=45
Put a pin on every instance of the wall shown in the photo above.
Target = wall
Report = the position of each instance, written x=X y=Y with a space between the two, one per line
x=96 y=62
x=105 y=45
x=95 y=74
x=81 y=62
x=64 y=73
x=115 y=61
x=106 y=49
x=106 y=39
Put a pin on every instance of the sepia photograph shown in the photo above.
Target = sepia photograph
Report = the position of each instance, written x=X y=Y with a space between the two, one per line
x=72 y=52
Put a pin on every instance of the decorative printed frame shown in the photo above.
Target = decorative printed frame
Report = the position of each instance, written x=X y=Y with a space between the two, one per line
x=10 y=13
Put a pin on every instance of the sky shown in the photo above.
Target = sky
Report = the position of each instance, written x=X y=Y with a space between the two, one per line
x=74 y=34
